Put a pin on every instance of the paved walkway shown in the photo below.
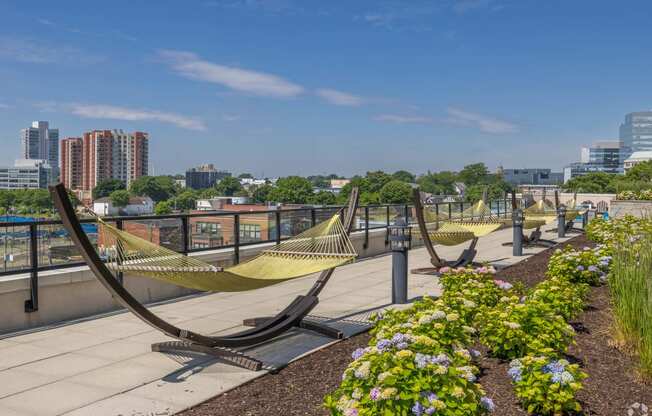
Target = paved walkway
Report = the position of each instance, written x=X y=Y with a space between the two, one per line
x=104 y=366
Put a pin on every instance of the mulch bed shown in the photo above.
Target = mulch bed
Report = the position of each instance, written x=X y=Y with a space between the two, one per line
x=299 y=388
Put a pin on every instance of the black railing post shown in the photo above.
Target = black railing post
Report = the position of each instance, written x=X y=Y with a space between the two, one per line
x=450 y=210
x=407 y=214
x=387 y=225
x=313 y=217
x=462 y=210
x=277 y=220
x=185 y=237
x=497 y=208
x=366 y=227
x=236 y=238
x=31 y=304
x=119 y=225
x=436 y=215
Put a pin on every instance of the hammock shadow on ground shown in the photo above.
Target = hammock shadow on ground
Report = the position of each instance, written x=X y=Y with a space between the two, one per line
x=276 y=353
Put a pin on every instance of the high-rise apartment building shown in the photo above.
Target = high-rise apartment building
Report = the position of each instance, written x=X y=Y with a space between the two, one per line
x=26 y=174
x=204 y=176
x=636 y=133
x=41 y=142
x=103 y=154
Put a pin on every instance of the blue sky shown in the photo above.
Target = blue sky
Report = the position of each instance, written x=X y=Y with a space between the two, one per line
x=283 y=87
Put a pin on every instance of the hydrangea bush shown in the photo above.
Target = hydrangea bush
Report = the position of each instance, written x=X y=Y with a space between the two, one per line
x=546 y=385
x=409 y=375
x=514 y=328
x=561 y=296
x=589 y=265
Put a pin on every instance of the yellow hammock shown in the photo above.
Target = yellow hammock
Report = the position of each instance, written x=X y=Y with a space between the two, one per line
x=319 y=248
x=477 y=219
x=450 y=234
x=542 y=210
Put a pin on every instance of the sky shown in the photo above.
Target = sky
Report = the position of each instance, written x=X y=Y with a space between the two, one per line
x=285 y=87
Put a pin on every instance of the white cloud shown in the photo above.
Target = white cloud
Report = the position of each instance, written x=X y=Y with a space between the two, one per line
x=45 y=22
x=4 y=106
x=400 y=119
x=133 y=114
x=485 y=123
x=191 y=66
x=29 y=51
x=339 y=97
x=230 y=117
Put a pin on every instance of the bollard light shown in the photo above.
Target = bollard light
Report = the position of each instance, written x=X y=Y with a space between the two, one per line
x=517 y=237
x=561 y=222
x=400 y=238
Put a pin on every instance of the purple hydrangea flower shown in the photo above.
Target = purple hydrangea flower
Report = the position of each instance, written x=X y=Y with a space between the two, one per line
x=487 y=403
x=357 y=353
x=417 y=409
x=580 y=267
x=430 y=410
x=593 y=268
x=402 y=345
x=383 y=344
x=374 y=394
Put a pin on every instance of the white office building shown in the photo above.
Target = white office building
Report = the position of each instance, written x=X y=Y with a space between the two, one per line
x=40 y=142
x=26 y=174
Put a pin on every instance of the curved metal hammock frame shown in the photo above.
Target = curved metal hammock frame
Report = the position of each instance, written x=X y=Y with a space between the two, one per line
x=265 y=329
x=450 y=233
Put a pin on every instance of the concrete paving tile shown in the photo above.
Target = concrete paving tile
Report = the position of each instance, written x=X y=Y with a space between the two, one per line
x=71 y=341
x=22 y=354
x=15 y=380
x=117 y=350
x=119 y=377
x=65 y=365
x=125 y=405
x=40 y=335
x=115 y=329
x=53 y=399
x=5 y=411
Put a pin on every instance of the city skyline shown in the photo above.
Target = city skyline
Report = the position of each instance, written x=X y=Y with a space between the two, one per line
x=281 y=87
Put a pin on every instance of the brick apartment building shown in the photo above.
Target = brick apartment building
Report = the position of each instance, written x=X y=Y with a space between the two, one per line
x=100 y=155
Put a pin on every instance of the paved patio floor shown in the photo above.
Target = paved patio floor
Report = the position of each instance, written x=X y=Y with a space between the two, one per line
x=104 y=366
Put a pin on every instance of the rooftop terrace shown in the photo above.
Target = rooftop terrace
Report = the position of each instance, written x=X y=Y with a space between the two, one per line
x=103 y=365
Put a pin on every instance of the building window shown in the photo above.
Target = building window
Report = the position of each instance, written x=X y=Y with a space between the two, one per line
x=207 y=227
x=250 y=232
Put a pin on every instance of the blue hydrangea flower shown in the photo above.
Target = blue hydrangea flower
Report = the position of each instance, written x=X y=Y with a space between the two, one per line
x=357 y=353
x=580 y=267
x=515 y=373
x=383 y=344
x=593 y=268
x=417 y=409
x=487 y=403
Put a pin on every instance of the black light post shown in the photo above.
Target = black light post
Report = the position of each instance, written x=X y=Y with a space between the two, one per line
x=561 y=222
x=400 y=237
x=517 y=226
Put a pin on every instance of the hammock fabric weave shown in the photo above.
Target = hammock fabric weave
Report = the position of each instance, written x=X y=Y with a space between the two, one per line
x=477 y=219
x=542 y=210
x=319 y=248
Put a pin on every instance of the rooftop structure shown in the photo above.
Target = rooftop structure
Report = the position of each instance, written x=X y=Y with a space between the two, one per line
x=204 y=176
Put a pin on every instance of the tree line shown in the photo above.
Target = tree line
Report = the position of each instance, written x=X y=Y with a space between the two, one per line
x=638 y=178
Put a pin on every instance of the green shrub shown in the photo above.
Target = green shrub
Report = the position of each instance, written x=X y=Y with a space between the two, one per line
x=513 y=329
x=561 y=296
x=588 y=266
x=546 y=385
x=389 y=378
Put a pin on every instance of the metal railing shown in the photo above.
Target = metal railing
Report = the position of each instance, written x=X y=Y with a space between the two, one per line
x=42 y=245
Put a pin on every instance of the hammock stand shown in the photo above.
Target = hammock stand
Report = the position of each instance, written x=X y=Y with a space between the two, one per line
x=222 y=347
x=534 y=239
x=465 y=258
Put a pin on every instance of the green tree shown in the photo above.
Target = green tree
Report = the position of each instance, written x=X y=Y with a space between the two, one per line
x=473 y=174
x=323 y=198
x=292 y=190
x=120 y=198
x=376 y=180
x=594 y=182
x=159 y=188
x=162 y=208
x=404 y=176
x=395 y=192
x=640 y=172
x=245 y=175
x=228 y=186
x=261 y=193
x=186 y=200
x=441 y=183
x=106 y=187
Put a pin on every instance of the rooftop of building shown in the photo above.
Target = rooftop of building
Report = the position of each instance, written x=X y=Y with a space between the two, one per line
x=640 y=155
